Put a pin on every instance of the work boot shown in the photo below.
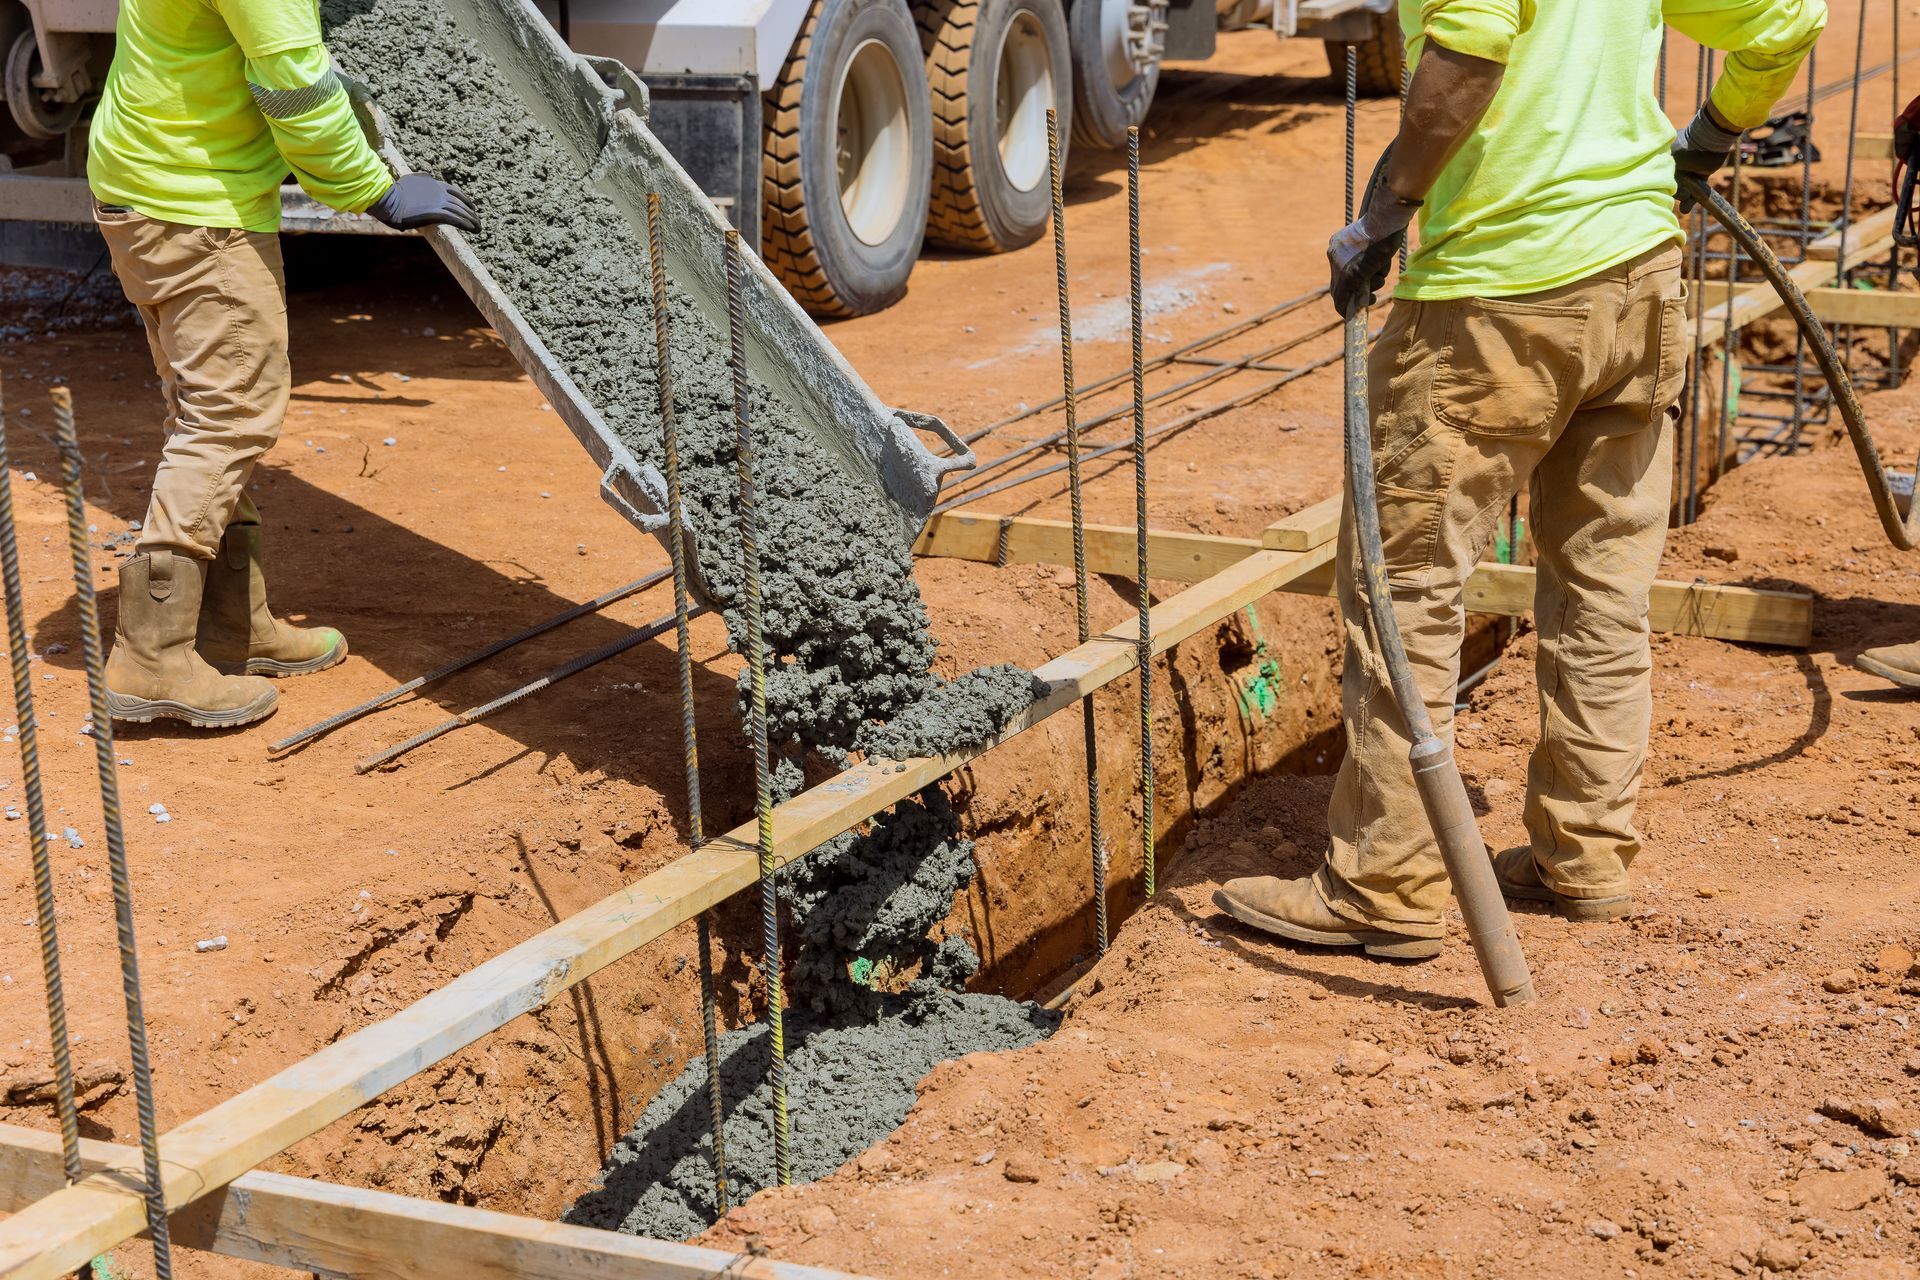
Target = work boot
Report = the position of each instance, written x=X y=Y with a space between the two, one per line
x=153 y=672
x=239 y=634
x=1294 y=910
x=1518 y=873
x=1899 y=663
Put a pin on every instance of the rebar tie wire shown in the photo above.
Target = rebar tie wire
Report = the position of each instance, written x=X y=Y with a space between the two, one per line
x=64 y=1103
x=1143 y=644
x=757 y=668
x=1072 y=408
x=71 y=464
x=677 y=544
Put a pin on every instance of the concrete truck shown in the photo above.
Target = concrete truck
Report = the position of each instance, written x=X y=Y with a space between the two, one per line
x=838 y=135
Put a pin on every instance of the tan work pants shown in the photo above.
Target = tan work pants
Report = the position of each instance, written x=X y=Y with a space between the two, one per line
x=1574 y=391
x=214 y=302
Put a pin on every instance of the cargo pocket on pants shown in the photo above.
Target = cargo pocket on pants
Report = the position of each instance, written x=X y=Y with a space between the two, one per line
x=1504 y=366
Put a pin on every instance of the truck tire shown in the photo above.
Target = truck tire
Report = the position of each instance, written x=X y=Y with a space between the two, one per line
x=848 y=159
x=1382 y=62
x=993 y=69
x=1117 y=46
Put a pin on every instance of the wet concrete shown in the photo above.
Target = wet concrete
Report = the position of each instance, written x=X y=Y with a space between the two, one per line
x=843 y=620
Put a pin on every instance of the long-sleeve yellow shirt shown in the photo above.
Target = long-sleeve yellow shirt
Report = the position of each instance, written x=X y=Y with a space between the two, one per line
x=209 y=104
x=1569 y=171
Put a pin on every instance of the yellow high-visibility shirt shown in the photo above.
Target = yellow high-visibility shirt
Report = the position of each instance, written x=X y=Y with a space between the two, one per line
x=209 y=105
x=1569 y=172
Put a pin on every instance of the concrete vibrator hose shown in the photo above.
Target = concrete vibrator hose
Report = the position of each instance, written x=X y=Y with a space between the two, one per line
x=1442 y=792
x=1903 y=532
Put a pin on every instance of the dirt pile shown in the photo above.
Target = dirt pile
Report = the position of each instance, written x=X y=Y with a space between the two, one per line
x=844 y=620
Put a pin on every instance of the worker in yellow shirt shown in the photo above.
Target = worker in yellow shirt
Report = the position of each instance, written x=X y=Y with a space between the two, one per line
x=1537 y=337
x=207 y=107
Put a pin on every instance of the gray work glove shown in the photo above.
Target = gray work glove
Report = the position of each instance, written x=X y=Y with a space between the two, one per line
x=1361 y=252
x=422 y=200
x=1701 y=148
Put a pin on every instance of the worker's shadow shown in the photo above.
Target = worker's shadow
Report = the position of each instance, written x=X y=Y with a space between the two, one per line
x=408 y=604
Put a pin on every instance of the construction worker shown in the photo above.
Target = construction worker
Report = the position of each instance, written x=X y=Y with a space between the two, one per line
x=207 y=107
x=1537 y=337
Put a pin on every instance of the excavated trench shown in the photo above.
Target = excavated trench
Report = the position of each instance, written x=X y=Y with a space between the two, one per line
x=844 y=623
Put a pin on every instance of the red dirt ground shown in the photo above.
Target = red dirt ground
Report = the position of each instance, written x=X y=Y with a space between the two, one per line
x=346 y=897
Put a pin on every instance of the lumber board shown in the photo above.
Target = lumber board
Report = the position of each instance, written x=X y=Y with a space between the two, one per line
x=330 y=1229
x=1880 y=307
x=1860 y=238
x=1872 y=236
x=1307 y=528
x=1873 y=146
x=1746 y=614
x=60 y=1232
x=1171 y=557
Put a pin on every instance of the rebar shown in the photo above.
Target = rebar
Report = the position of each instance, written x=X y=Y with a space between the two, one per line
x=1353 y=110
x=1143 y=644
x=64 y=1104
x=1081 y=620
x=756 y=656
x=1161 y=361
x=689 y=730
x=1717 y=467
x=71 y=465
x=565 y=671
x=1181 y=423
x=1251 y=362
x=499 y=646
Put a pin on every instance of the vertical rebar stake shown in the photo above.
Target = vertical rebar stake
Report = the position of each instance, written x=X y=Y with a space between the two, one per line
x=1353 y=108
x=1070 y=401
x=689 y=733
x=64 y=1103
x=757 y=668
x=96 y=660
x=1143 y=645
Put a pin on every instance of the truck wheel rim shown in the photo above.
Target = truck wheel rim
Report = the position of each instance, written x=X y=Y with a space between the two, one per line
x=873 y=143
x=1132 y=39
x=1023 y=90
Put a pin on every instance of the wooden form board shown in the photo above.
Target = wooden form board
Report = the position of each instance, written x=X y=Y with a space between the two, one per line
x=51 y=1237
x=1873 y=146
x=322 y=1227
x=1872 y=236
x=1682 y=608
x=1880 y=307
x=1307 y=528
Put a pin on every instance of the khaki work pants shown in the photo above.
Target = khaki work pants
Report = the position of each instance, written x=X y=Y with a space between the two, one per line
x=1573 y=391
x=214 y=302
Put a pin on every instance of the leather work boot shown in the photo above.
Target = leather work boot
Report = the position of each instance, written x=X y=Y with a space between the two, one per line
x=1519 y=877
x=153 y=672
x=1293 y=910
x=1899 y=663
x=239 y=634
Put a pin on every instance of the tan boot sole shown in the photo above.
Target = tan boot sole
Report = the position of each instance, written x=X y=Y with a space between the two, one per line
x=1375 y=942
x=279 y=670
x=146 y=710
x=1580 y=910
x=1905 y=679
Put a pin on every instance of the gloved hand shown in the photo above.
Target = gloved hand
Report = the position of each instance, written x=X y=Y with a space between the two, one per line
x=1361 y=252
x=422 y=200
x=1701 y=148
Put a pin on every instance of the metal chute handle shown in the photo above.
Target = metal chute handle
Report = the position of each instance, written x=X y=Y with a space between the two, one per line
x=1902 y=531
x=961 y=459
